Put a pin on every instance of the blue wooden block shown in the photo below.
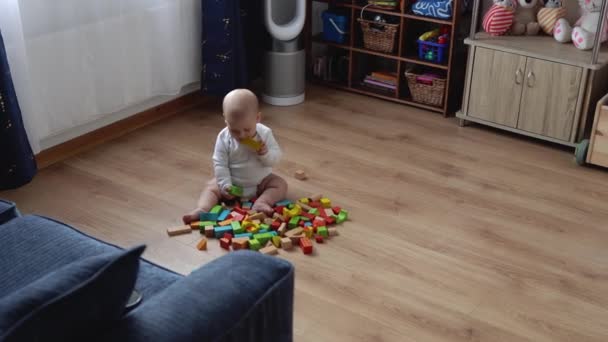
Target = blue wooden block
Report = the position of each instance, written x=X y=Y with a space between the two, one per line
x=283 y=203
x=220 y=231
x=307 y=224
x=247 y=235
x=247 y=205
x=262 y=231
x=208 y=217
x=224 y=215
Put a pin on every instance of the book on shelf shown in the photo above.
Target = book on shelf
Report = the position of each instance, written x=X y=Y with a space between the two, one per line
x=386 y=76
x=382 y=85
x=391 y=82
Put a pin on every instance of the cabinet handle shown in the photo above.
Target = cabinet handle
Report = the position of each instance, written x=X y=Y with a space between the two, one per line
x=531 y=79
x=518 y=76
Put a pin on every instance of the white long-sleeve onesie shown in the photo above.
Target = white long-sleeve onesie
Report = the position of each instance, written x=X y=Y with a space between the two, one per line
x=237 y=164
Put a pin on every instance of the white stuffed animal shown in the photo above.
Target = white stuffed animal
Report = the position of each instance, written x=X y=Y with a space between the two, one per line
x=525 y=17
x=582 y=34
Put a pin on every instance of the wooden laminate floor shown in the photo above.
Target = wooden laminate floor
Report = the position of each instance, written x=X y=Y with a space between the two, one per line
x=456 y=234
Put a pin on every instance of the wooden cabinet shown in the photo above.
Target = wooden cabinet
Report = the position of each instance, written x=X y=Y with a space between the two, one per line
x=532 y=86
x=598 y=148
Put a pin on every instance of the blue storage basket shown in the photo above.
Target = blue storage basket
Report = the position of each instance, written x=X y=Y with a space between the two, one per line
x=335 y=26
x=438 y=51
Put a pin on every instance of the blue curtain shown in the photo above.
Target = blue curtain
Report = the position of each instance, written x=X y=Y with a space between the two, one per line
x=17 y=163
x=233 y=42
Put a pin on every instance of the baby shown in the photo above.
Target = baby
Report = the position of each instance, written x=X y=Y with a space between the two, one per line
x=238 y=164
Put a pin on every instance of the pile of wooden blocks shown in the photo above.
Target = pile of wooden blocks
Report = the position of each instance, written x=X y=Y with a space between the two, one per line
x=239 y=227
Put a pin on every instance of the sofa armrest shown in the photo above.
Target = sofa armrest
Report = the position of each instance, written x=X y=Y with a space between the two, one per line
x=8 y=211
x=242 y=296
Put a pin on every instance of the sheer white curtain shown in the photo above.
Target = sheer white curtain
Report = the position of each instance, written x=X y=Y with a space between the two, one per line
x=76 y=61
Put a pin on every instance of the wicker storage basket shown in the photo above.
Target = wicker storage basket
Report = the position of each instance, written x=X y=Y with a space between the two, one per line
x=378 y=36
x=431 y=94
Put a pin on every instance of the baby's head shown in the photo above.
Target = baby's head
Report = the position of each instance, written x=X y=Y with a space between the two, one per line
x=241 y=112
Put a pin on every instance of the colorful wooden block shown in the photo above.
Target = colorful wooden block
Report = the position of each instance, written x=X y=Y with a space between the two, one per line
x=256 y=222
x=314 y=211
x=243 y=235
x=247 y=205
x=195 y=225
x=270 y=250
x=235 y=191
x=237 y=216
x=227 y=236
x=318 y=222
x=294 y=231
x=223 y=215
x=225 y=222
x=286 y=244
x=276 y=241
x=316 y=197
x=330 y=220
x=262 y=231
x=208 y=216
x=336 y=210
x=304 y=200
x=329 y=212
x=202 y=245
x=282 y=229
x=304 y=206
x=332 y=231
x=236 y=227
x=283 y=203
x=323 y=231
x=251 y=143
x=264 y=226
x=319 y=238
x=240 y=243
x=225 y=243
x=306 y=245
x=216 y=209
x=308 y=231
x=293 y=222
x=264 y=237
x=342 y=216
x=254 y=245
x=268 y=221
x=209 y=231
x=295 y=239
x=275 y=225
x=315 y=204
x=220 y=231
x=257 y=216
x=278 y=217
x=179 y=230
x=325 y=202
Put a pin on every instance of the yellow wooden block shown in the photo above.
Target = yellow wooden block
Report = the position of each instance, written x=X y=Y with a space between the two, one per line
x=304 y=200
x=251 y=143
x=276 y=241
x=325 y=202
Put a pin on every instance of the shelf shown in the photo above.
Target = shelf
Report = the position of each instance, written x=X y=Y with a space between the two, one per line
x=416 y=60
x=318 y=38
x=376 y=92
x=396 y=13
x=428 y=19
x=542 y=47
x=376 y=53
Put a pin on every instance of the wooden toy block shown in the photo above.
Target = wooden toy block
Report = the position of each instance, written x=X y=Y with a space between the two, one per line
x=227 y=236
x=208 y=216
x=256 y=222
x=296 y=238
x=316 y=197
x=262 y=231
x=257 y=216
x=329 y=212
x=251 y=143
x=225 y=243
x=241 y=211
x=308 y=232
x=342 y=216
x=332 y=231
x=276 y=241
x=195 y=225
x=264 y=237
x=209 y=231
x=247 y=205
x=268 y=221
x=225 y=222
x=304 y=206
x=286 y=244
x=295 y=231
x=236 y=227
x=300 y=175
x=293 y=222
x=275 y=225
x=216 y=209
x=220 y=231
x=264 y=226
x=330 y=220
x=306 y=245
x=244 y=235
x=307 y=216
x=314 y=211
x=283 y=203
x=315 y=204
x=235 y=191
x=336 y=210
x=301 y=223
x=223 y=215
x=308 y=224
x=319 y=222
x=279 y=217
x=319 y=238
x=304 y=200
x=323 y=231
x=269 y=243
x=282 y=229
x=237 y=216
x=254 y=245
x=202 y=245
x=270 y=250
x=325 y=202
x=179 y=230
x=240 y=243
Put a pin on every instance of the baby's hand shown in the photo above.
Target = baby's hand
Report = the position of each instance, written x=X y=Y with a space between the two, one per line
x=263 y=150
x=225 y=192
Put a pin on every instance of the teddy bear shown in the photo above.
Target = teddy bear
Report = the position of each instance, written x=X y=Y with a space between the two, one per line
x=499 y=18
x=525 y=18
x=583 y=33
x=550 y=14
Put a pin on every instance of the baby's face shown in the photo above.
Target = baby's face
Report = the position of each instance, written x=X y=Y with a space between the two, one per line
x=242 y=125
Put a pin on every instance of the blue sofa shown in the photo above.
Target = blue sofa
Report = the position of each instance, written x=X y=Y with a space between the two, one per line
x=242 y=296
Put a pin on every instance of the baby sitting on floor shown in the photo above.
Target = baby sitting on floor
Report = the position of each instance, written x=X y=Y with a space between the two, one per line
x=238 y=164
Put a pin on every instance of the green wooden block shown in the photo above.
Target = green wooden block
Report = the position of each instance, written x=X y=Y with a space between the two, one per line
x=236 y=191
x=216 y=210
x=314 y=211
x=264 y=237
x=323 y=231
x=342 y=216
x=304 y=218
x=206 y=223
x=290 y=206
x=255 y=245
x=264 y=226
x=293 y=222
x=236 y=227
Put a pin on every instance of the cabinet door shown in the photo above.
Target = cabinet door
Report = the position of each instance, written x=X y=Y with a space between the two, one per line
x=549 y=98
x=496 y=86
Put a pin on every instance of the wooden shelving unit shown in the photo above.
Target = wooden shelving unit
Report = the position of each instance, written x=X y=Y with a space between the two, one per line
x=404 y=56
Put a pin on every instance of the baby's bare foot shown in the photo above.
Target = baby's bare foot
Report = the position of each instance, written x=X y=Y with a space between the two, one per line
x=192 y=216
x=262 y=207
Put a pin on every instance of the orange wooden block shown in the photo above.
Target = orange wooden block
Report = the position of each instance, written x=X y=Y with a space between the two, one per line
x=240 y=243
x=202 y=245
x=195 y=224
x=225 y=223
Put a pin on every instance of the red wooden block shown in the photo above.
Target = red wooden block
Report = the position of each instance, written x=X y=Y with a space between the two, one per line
x=241 y=211
x=319 y=223
x=228 y=236
x=279 y=209
x=319 y=238
x=314 y=204
x=306 y=245
x=301 y=223
x=322 y=213
x=307 y=215
x=275 y=225
x=225 y=243
x=336 y=210
x=330 y=220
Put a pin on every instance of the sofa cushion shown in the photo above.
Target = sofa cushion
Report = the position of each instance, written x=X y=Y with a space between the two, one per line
x=33 y=246
x=8 y=211
x=73 y=301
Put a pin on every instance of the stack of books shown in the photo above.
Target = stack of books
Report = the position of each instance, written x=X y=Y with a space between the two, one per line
x=381 y=81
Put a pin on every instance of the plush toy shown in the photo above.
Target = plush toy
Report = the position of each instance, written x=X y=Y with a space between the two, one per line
x=525 y=17
x=583 y=33
x=550 y=14
x=499 y=18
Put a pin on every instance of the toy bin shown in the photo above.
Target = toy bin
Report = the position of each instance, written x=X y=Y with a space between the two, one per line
x=335 y=26
x=427 y=88
x=432 y=52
